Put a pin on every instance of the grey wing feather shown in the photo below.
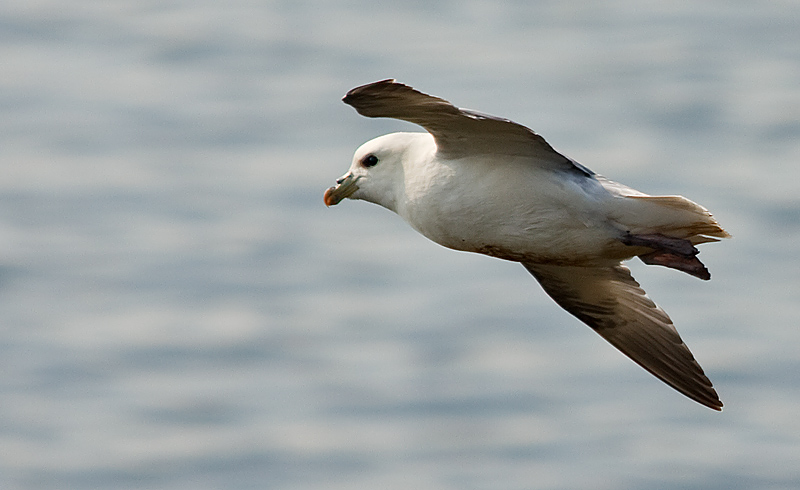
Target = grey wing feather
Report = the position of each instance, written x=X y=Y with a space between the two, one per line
x=610 y=301
x=458 y=132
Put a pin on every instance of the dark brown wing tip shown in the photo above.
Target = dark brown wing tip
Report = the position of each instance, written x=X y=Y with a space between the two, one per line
x=380 y=84
x=390 y=98
x=700 y=389
x=704 y=394
x=710 y=400
x=353 y=96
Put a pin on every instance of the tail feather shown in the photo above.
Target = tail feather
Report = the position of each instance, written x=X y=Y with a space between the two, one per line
x=679 y=217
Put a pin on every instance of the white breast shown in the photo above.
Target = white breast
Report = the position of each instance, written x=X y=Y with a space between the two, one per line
x=514 y=210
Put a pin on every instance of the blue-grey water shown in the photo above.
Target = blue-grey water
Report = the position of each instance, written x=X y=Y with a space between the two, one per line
x=178 y=310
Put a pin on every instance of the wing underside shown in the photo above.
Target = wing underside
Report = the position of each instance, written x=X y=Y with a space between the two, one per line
x=613 y=304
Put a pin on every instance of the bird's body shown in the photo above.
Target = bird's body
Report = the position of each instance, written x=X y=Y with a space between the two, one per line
x=487 y=185
x=540 y=216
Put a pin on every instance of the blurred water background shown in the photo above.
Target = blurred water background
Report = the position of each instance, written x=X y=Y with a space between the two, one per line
x=178 y=310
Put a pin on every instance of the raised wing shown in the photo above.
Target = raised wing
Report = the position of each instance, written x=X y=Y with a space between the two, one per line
x=610 y=301
x=458 y=132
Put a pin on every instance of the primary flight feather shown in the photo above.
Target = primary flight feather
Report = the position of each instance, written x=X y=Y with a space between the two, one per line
x=479 y=183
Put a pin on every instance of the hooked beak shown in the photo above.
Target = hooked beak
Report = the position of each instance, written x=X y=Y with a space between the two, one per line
x=345 y=186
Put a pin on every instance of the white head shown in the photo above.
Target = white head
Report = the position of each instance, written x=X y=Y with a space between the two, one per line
x=377 y=173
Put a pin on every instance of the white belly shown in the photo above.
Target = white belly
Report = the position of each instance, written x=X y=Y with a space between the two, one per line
x=538 y=215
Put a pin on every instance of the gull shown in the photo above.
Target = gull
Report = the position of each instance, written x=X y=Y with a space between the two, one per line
x=479 y=183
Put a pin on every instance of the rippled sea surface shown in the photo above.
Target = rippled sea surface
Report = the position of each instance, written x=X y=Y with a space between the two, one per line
x=178 y=310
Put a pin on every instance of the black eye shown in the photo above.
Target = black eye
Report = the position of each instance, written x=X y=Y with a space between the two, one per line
x=369 y=161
